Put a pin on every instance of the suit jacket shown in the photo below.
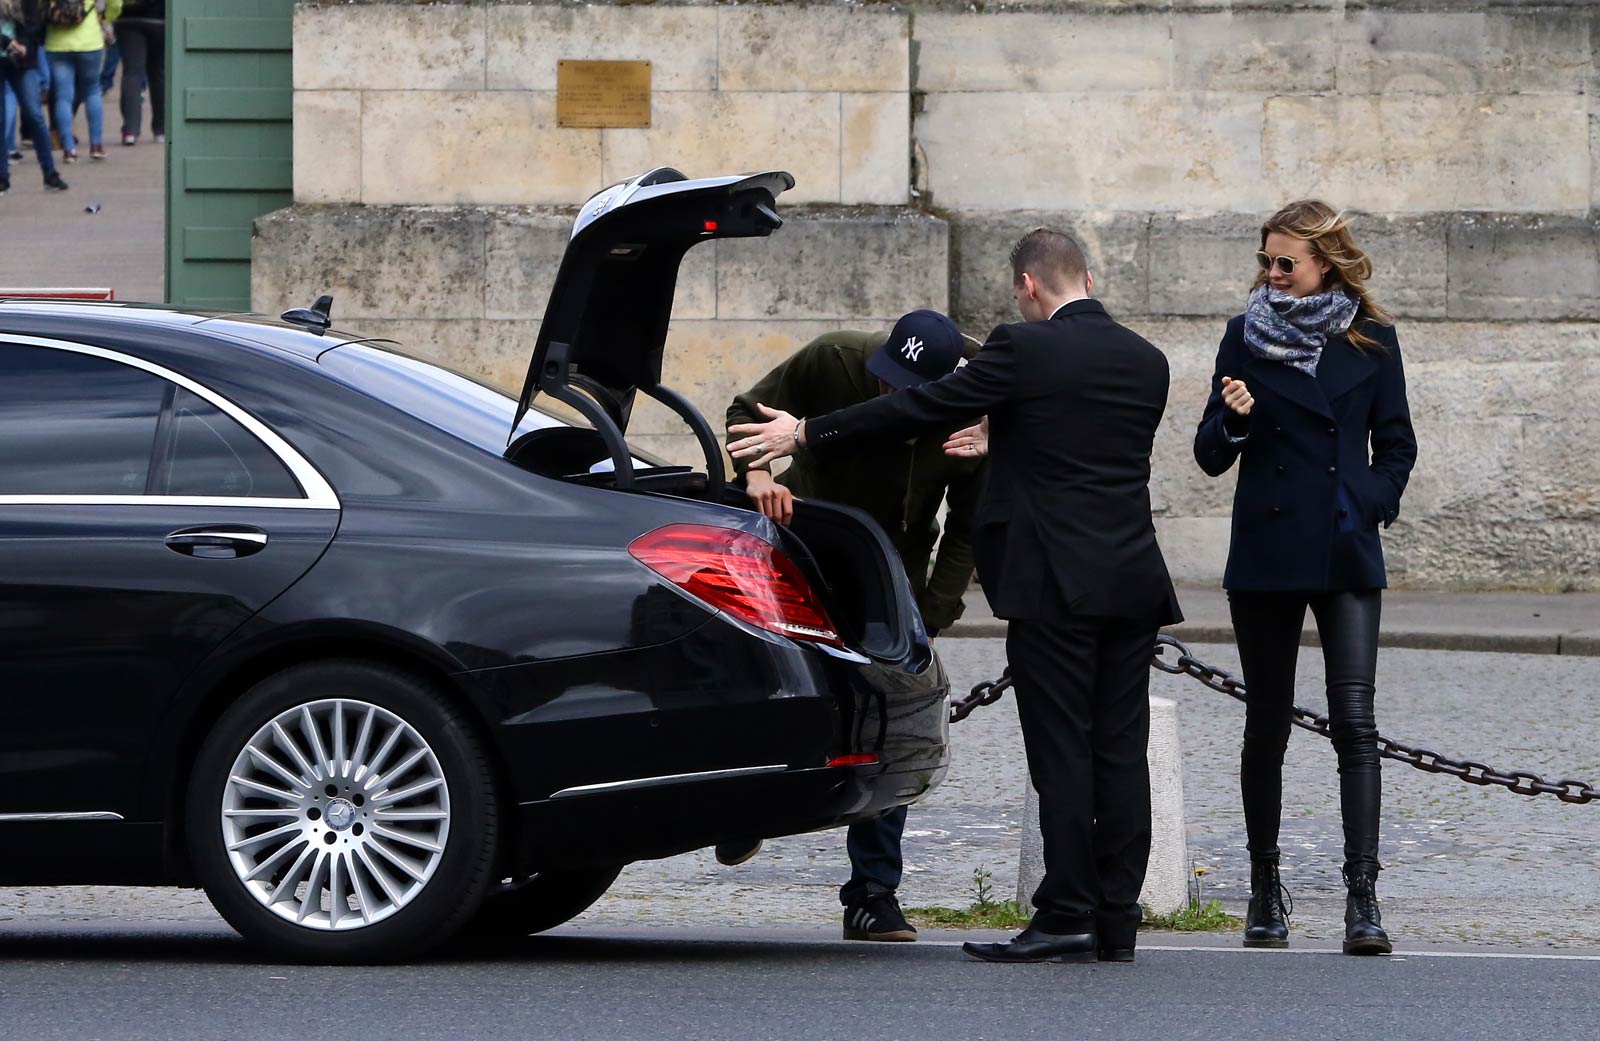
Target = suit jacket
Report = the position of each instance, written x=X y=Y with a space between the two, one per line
x=1073 y=405
x=1309 y=499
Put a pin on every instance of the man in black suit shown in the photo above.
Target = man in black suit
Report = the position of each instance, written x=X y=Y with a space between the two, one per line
x=1067 y=552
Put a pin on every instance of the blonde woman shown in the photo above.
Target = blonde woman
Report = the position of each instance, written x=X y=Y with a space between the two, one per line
x=1308 y=382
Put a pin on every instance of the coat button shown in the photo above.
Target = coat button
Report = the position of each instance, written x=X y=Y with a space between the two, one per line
x=1277 y=510
x=1333 y=469
x=1344 y=513
x=1333 y=430
x=1283 y=469
x=1277 y=430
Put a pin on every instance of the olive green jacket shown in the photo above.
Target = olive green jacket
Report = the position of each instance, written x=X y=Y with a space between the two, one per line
x=900 y=485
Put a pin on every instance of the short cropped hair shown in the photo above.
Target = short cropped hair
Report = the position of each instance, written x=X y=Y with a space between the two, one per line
x=1052 y=257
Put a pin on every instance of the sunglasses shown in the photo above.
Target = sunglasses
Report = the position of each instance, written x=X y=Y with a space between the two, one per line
x=1285 y=264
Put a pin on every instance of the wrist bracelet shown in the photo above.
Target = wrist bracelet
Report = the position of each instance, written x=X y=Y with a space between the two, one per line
x=797 y=426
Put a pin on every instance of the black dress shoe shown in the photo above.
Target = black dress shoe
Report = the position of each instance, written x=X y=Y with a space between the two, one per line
x=1117 y=954
x=1033 y=945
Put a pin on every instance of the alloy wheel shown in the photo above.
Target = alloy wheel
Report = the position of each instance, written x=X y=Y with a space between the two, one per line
x=335 y=814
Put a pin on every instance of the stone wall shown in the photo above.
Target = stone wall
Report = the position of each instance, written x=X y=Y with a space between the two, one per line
x=434 y=192
x=455 y=103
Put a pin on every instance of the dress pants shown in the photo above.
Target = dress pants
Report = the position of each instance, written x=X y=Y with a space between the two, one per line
x=1266 y=626
x=1083 y=694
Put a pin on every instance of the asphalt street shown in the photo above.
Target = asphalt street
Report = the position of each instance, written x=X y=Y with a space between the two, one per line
x=683 y=948
x=199 y=983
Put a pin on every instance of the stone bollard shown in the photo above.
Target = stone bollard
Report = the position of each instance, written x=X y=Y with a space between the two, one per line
x=1166 y=881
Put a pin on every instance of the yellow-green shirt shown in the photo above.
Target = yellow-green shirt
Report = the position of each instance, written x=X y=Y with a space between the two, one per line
x=86 y=35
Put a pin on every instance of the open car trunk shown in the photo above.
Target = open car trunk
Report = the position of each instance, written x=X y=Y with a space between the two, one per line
x=601 y=345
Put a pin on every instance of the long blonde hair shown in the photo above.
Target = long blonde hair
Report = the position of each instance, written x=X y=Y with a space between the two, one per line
x=1327 y=232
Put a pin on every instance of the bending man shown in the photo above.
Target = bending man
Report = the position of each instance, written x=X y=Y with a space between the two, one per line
x=900 y=484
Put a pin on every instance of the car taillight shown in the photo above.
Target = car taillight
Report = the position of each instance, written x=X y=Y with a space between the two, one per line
x=740 y=573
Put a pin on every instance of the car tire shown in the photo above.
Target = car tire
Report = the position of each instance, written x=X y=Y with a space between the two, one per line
x=546 y=900
x=354 y=780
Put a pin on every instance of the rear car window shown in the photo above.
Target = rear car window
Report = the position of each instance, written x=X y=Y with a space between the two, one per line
x=457 y=404
x=213 y=455
x=75 y=424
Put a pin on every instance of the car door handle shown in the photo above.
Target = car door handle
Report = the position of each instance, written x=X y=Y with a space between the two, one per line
x=217 y=543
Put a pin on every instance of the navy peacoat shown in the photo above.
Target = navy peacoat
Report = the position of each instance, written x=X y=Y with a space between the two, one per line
x=1309 y=499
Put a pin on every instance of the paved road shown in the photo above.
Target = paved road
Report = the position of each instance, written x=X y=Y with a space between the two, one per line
x=1465 y=865
x=143 y=985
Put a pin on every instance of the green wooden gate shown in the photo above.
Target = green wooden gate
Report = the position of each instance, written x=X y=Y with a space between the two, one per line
x=230 y=157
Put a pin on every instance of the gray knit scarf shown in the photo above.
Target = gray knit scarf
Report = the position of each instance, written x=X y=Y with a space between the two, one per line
x=1292 y=330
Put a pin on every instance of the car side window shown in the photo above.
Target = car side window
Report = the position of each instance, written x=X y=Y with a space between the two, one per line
x=74 y=424
x=212 y=455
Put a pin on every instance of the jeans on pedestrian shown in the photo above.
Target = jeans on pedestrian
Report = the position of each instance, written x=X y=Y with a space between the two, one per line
x=76 y=75
x=1266 y=627
x=144 y=60
x=8 y=129
x=24 y=83
x=108 y=67
x=874 y=847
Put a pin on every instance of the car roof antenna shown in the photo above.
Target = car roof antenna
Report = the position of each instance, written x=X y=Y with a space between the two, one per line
x=315 y=318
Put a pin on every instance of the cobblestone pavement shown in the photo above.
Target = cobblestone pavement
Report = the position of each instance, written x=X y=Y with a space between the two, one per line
x=1464 y=864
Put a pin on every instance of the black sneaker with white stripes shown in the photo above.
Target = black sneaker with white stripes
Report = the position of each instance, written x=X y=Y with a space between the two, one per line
x=878 y=917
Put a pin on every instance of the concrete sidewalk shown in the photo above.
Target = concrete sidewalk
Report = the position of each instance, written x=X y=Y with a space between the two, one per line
x=1516 y=623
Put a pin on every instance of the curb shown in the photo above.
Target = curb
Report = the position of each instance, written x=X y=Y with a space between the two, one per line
x=1579 y=644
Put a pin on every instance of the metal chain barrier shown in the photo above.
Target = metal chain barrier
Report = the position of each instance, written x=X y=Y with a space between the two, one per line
x=1519 y=782
x=986 y=693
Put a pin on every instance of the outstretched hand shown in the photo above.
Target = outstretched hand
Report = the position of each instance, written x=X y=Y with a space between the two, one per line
x=970 y=443
x=760 y=443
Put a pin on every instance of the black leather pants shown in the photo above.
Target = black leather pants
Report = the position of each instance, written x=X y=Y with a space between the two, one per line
x=1267 y=628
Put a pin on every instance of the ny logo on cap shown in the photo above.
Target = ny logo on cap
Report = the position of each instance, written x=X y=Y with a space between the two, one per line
x=912 y=349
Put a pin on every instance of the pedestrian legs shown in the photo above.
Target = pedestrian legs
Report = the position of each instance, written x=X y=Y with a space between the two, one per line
x=874 y=847
x=1266 y=627
x=1122 y=777
x=1348 y=624
x=143 y=62
x=75 y=75
x=25 y=85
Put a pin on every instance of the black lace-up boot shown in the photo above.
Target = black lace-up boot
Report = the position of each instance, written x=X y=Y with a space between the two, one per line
x=1266 y=923
x=1363 y=926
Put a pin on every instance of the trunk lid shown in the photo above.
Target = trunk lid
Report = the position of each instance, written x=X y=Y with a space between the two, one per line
x=606 y=323
x=601 y=343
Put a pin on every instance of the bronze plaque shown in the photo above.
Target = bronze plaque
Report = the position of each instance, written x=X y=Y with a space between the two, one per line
x=602 y=93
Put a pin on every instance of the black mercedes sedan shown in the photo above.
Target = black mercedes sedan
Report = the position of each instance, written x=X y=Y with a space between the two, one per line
x=374 y=653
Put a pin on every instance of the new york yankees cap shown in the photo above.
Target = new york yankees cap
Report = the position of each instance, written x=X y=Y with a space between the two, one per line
x=924 y=346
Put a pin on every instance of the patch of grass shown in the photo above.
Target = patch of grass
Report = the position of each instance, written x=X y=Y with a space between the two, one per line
x=1006 y=915
x=985 y=913
x=1195 y=918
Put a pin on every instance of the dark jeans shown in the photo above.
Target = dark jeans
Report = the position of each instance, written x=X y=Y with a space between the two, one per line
x=1083 y=697
x=874 y=848
x=25 y=85
x=1267 y=629
x=144 y=59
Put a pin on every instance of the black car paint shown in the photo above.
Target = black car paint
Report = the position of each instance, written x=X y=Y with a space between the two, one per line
x=513 y=591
